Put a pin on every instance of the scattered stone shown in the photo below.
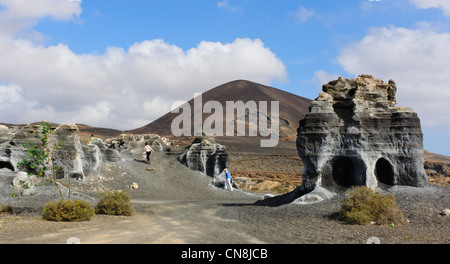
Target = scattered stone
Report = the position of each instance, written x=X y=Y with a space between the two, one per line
x=134 y=186
x=25 y=183
x=445 y=212
x=268 y=195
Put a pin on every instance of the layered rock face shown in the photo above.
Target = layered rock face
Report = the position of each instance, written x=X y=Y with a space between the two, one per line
x=208 y=157
x=133 y=145
x=83 y=159
x=355 y=135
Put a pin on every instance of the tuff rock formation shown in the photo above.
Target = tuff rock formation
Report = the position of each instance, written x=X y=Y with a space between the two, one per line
x=133 y=145
x=355 y=135
x=209 y=157
x=84 y=158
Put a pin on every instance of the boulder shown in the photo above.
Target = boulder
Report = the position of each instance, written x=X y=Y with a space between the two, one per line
x=445 y=212
x=24 y=183
x=208 y=157
x=107 y=153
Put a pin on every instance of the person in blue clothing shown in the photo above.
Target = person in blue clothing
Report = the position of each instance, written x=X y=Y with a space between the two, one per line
x=228 y=179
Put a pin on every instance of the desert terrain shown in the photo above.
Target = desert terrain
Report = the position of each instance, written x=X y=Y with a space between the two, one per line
x=175 y=205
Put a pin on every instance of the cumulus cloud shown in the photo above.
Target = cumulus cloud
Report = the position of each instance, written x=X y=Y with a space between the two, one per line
x=18 y=15
x=322 y=77
x=9 y=94
x=425 y=4
x=120 y=88
x=139 y=83
x=416 y=59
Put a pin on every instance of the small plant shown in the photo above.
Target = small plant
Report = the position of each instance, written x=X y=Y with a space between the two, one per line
x=68 y=210
x=114 y=203
x=365 y=205
x=281 y=189
x=6 y=209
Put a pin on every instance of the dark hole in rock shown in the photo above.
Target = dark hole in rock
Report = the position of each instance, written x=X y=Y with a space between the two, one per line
x=384 y=172
x=6 y=164
x=344 y=172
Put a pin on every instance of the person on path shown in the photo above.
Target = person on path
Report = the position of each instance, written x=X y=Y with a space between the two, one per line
x=148 y=151
x=228 y=179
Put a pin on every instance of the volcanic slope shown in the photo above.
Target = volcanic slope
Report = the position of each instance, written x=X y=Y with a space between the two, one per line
x=292 y=108
x=277 y=167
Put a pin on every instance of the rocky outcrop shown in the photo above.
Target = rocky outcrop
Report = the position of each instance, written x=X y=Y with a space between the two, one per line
x=82 y=158
x=133 y=145
x=355 y=135
x=207 y=156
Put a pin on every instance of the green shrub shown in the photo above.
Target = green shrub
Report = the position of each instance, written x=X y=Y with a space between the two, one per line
x=365 y=205
x=68 y=210
x=114 y=203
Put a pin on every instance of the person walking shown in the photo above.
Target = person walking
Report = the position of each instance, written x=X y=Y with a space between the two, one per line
x=228 y=179
x=148 y=151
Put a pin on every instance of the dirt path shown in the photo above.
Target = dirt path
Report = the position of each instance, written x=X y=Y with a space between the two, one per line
x=231 y=222
x=157 y=222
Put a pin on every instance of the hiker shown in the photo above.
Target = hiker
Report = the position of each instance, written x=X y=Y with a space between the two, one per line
x=92 y=138
x=148 y=151
x=228 y=179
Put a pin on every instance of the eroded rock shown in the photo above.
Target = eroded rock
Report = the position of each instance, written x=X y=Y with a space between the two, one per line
x=72 y=153
x=209 y=157
x=355 y=135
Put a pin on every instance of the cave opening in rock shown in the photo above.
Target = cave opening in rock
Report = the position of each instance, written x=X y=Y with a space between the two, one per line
x=344 y=172
x=384 y=171
x=6 y=164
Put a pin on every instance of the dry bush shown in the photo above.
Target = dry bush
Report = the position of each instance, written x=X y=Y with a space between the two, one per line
x=364 y=205
x=114 y=203
x=68 y=210
x=6 y=209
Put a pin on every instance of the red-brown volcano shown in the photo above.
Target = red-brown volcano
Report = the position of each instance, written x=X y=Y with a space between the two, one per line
x=292 y=108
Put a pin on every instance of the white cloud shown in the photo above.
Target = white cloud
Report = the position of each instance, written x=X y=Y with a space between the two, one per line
x=9 y=94
x=18 y=15
x=425 y=4
x=121 y=88
x=302 y=14
x=322 y=77
x=140 y=83
x=416 y=59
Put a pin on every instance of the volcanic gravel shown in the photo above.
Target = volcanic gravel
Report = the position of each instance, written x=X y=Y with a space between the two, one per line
x=176 y=205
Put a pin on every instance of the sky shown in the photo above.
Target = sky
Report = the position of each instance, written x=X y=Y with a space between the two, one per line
x=122 y=64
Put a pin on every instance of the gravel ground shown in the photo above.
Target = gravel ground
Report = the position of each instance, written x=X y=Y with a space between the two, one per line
x=175 y=205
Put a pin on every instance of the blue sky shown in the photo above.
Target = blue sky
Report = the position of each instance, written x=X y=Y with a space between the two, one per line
x=121 y=64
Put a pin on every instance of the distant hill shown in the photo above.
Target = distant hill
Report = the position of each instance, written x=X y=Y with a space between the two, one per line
x=100 y=132
x=292 y=108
